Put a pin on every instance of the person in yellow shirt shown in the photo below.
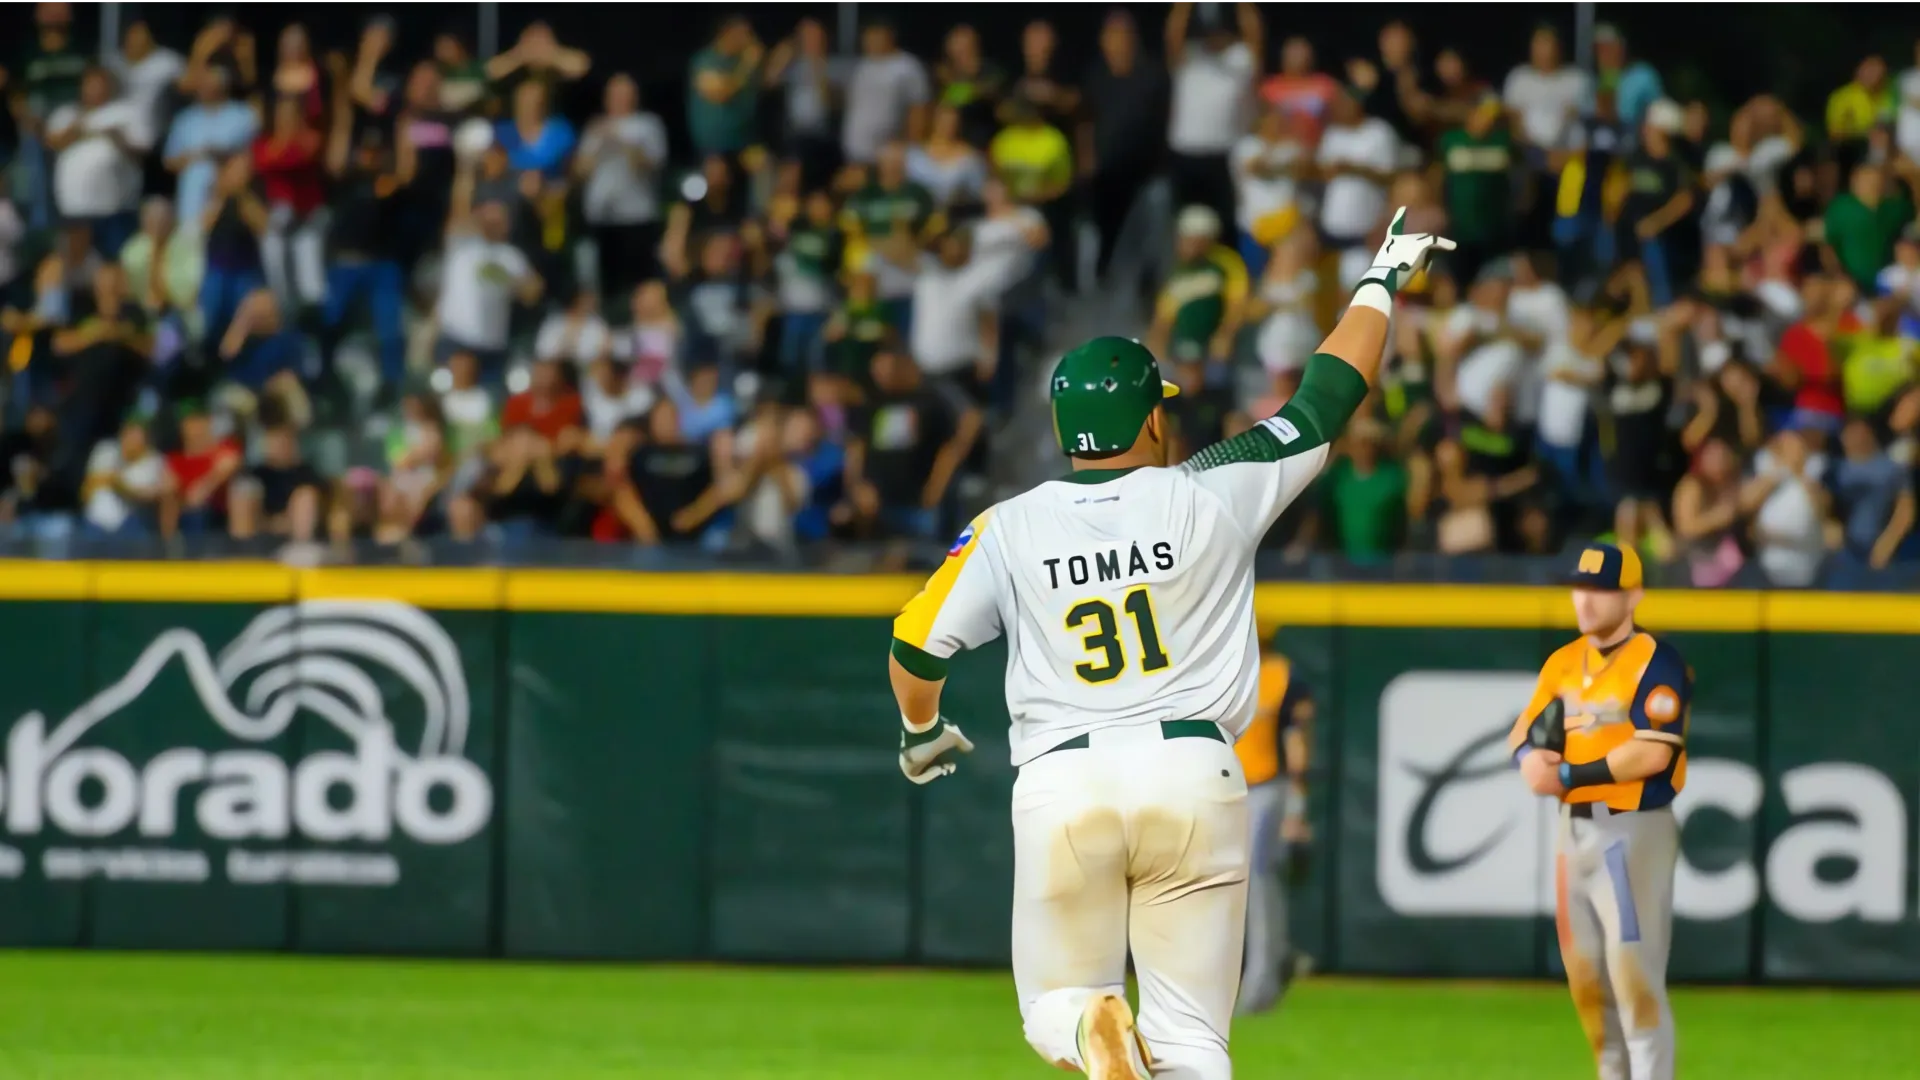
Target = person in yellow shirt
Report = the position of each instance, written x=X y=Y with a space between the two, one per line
x=1854 y=110
x=1035 y=160
x=1606 y=734
x=1273 y=755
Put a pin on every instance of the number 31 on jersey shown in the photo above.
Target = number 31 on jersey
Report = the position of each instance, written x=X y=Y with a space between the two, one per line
x=1100 y=624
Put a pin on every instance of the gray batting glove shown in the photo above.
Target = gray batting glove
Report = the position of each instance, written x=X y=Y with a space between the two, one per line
x=1403 y=254
x=926 y=756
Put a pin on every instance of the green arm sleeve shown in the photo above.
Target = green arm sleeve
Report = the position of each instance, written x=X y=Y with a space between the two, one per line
x=918 y=662
x=1330 y=392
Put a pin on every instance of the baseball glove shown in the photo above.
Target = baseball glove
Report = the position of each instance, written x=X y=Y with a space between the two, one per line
x=1549 y=730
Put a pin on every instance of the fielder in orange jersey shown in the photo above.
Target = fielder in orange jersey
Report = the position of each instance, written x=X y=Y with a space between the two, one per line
x=1606 y=733
x=1273 y=755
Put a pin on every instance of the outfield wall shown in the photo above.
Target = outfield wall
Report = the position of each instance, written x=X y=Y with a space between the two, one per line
x=630 y=766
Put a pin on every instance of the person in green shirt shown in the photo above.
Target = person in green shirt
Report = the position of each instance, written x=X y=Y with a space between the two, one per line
x=46 y=77
x=1863 y=222
x=1204 y=300
x=1366 y=495
x=888 y=223
x=48 y=74
x=463 y=78
x=804 y=269
x=1476 y=163
x=856 y=329
x=723 y=102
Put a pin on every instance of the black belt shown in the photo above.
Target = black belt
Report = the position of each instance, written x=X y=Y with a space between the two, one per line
x=1169 y=729
x=1585 y=809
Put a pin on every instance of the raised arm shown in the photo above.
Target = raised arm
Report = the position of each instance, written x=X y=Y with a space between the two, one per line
x=1342 y=371
x=1241 y=470
x=340 y=132
x=1177 y=21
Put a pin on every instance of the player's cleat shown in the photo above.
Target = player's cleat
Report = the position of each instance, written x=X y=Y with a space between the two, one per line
x=1110 y=1047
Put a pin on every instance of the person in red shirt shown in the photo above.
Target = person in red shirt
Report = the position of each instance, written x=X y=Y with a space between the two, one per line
x=1805 y=364
x=194 y=500
x=1299 y=91
x=548 y=405
x=289 y=161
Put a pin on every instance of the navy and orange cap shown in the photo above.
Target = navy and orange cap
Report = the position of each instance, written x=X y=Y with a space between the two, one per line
x=1607 y=568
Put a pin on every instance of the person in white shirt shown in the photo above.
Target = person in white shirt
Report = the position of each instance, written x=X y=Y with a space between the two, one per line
x=619 y=161
x=1789 y=528
x=481 y=277
x=887 y=94
x=1213 y=69
x=1475 y=349
x=578 y=335
x=1544 y=96
x=1538 y=316
x=96 y=176
x=1906 y=122
x=121 y=494
x=955 y=329
x=1267 y=166
x=147 y=72
x=610 y=395
x=1289 y=290
x=1007 y=241
x=1356 y=158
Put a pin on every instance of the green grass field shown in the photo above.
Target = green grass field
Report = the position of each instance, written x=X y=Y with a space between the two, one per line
x=74 y=1016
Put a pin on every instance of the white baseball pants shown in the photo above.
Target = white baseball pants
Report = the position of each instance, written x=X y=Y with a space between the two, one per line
x=1135 y=842
x=1614 y=885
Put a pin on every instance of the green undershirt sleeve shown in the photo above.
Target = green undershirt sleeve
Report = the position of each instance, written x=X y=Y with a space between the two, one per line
x=1330 y=392
x=918 y=662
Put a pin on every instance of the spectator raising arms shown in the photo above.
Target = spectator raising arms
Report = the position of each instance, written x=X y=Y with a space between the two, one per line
x=369 y=206
x=1214 y=69
x=204 y=134
x=537 y=57
x=289 y=161
x=233 y=222
x=484 y=274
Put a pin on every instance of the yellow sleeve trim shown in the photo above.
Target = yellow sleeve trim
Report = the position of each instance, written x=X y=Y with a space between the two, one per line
x=914 y=624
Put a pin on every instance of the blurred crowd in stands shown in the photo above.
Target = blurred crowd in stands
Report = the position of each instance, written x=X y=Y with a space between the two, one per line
x=285 y=299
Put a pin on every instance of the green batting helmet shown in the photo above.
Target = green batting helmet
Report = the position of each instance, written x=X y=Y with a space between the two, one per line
x=1102 y=393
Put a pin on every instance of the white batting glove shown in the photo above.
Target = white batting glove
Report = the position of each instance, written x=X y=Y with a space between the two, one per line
x=1403 y=255
x=926 y=756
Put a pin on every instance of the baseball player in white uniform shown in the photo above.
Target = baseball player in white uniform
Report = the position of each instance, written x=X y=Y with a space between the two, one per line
x=1125 y=593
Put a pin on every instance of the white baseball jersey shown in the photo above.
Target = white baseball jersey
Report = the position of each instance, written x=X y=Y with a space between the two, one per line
x=1126 y=596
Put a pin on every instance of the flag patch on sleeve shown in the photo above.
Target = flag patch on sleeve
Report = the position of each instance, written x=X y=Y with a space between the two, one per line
x=960 y=544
